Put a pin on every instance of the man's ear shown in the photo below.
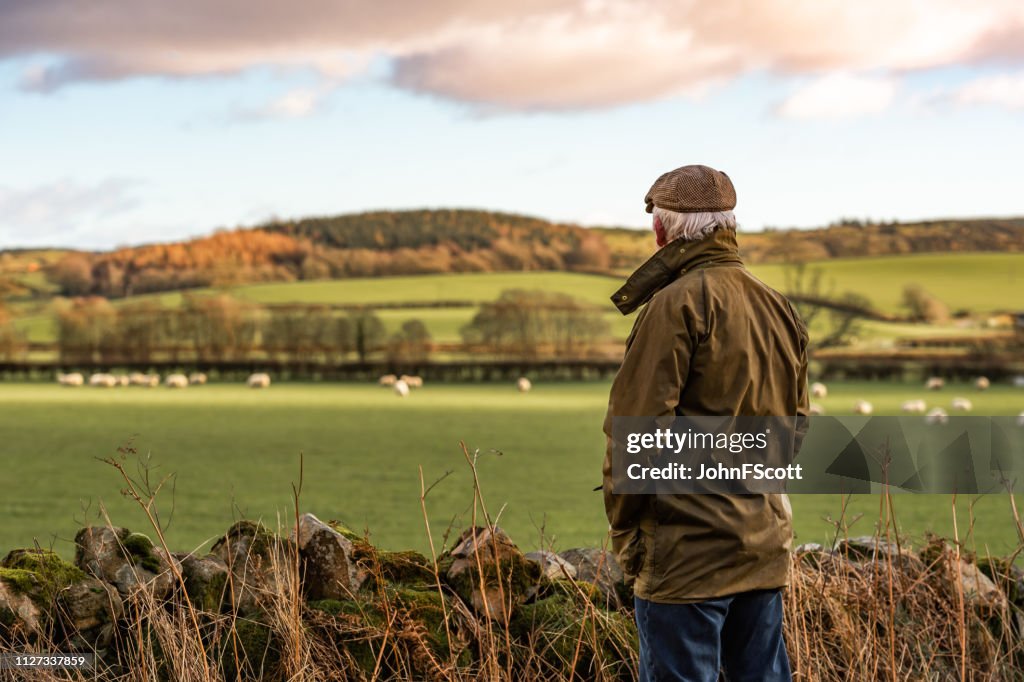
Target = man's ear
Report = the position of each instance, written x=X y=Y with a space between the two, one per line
x=659 y=232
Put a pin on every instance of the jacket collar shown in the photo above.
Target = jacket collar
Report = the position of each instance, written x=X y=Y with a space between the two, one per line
x=672 y=260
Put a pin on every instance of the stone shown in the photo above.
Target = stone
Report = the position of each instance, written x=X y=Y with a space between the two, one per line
x=205 y=579
x=870 y=548
x=250 y=552
x=956 y=574
x=329 y=569
x=84 y=608
x=553 y=566
x=486 y=569
x=598 y=566
x=128 y=561
x=89 y=611
x=20 y=616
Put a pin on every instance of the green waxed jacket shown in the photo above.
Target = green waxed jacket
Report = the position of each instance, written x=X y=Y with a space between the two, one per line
x=712 y=340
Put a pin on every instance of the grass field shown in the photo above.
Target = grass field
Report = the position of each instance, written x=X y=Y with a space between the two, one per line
x=979 y=282
x=235 y=452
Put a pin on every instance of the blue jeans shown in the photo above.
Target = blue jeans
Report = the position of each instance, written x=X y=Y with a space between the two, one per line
x=740 y=634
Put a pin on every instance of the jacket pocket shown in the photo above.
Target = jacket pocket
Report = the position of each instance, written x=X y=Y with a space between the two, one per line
x=630 y=551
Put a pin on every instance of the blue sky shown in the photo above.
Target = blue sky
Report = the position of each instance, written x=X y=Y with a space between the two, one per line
x=104 y=143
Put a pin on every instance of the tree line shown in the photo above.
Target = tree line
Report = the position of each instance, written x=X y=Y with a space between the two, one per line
x=219 y=328
x=364 y=245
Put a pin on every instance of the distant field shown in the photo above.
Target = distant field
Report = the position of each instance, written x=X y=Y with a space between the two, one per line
x=980 y=282
x=235 y=451
x=976 y=281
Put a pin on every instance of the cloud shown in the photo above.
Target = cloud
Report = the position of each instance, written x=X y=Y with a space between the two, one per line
x=1003 y=90
x=52 y=212
x=527 y=55
x=297 y=103
x=839 y=95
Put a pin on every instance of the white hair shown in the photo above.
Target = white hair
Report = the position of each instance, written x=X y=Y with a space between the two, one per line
x=693 y=226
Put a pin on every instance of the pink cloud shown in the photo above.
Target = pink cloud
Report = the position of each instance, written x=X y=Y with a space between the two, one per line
x=532 y=54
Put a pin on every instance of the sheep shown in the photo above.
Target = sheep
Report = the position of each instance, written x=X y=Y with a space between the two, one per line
x=72 y=379
x=258 y=380
x=863 y=407
x=176 y=381
x=819 y=390
x=982 y=383
x=401 y=388
x=412 y=381
x=523 y=385
x=937 y=415
x=387 y=380
x=917 y=406
x=138 y=379
x=815 y=410
x=197 y=378
x=962 y=404
x=935 y=384
x=152 y=380
x=122 y=380
x=1020 y=419
x=103 y=380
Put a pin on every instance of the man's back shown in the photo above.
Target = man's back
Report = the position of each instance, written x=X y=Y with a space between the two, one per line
x=712 y=341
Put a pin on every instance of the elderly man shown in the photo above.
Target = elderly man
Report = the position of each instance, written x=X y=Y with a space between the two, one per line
x=711 y=340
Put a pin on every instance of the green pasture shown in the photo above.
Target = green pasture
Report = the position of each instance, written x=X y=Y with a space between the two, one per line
x=235 y=452
x=979 y=282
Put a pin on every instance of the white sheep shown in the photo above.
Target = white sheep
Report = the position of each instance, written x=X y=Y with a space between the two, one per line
x=387 y=380
x=935 y=384
x=962 y=404
x=258 y=380
x=197 y=378
x=982 y=383
x=412 y=381
x=152 y=380
x=138 y=379
x=523 y=385
x=103 y=380
x=815 y=410
x=1020 y=419
x=122 y=380
x=72 y=379
x=401 y=388
x=176 y=381
x=937 y=415
x=863 y=407
x=916 y=406
x=819 y=390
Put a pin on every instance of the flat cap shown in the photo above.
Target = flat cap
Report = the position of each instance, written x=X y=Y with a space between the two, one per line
x=691 y=189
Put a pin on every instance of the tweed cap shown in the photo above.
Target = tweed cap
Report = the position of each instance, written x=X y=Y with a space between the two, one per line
x=691 y=189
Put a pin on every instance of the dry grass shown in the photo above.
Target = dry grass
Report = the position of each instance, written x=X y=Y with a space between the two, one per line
x=893 y=616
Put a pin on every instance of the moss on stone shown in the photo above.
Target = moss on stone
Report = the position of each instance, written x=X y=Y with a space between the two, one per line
x=426 y=607
x=258 y=653
x=261 y=539
x=347 y=532
x=40 y=574
x=563 y=627
x=212 y=593
x=515 y=574
x=138 y=548
x=20 y=581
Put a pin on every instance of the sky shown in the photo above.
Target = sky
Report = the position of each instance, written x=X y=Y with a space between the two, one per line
x=124 y=122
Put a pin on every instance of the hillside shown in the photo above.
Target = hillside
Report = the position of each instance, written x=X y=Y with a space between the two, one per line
x=389 y=243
